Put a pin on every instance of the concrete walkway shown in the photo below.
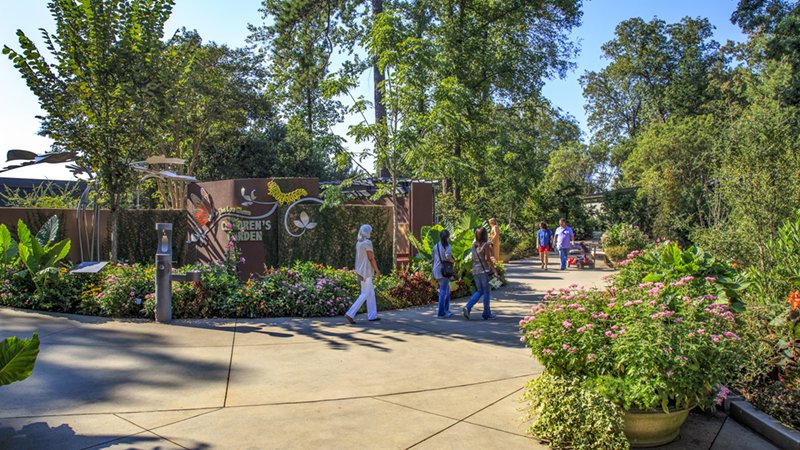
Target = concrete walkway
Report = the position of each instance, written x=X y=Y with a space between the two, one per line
x=408 y=381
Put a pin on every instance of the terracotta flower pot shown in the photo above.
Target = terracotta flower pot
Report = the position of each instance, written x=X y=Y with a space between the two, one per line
x=653 y=428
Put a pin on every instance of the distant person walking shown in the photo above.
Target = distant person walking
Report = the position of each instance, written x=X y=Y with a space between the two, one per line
x=565 y=240
x=494 y=237
x=544 y=238
x=442 y=253
x=482 y=267
x=366 y=269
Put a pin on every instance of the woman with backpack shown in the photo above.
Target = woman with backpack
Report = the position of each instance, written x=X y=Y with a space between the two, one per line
x=482 y=269
x=443 y=271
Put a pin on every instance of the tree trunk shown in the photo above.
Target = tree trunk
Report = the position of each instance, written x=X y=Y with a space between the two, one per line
x=456 y=187
x=114 y=229
x=395 y=224
x=378 y=78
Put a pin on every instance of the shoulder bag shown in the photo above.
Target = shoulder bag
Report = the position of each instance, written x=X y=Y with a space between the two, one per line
x=489 y=273
x=447 y=266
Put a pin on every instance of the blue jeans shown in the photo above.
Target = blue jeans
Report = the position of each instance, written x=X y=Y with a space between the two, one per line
x=564 y=254
x=482 y=283
x=444 y=297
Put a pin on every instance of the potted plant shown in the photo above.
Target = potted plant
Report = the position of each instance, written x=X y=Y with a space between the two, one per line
x=655 y=350
x=509 y=240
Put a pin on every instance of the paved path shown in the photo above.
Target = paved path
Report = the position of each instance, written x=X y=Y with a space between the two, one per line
x=408 y=381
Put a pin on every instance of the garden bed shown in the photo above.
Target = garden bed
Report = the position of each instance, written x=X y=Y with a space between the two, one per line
x=773 y=430
x=126 y=291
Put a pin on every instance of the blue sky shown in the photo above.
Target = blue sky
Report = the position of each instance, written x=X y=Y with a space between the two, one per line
x=226 y=22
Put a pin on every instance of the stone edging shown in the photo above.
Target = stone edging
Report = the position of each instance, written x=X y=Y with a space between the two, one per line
x=777 y=433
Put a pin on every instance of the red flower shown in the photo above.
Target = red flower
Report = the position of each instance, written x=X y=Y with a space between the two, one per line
x=794 y=300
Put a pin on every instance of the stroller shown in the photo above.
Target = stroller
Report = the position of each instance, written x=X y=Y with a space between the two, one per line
x=581 y=257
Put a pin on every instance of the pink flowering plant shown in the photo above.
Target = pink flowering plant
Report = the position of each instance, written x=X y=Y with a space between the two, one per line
x=122 y=292
x=652 y=346
x=695 y=268
x=624 y=235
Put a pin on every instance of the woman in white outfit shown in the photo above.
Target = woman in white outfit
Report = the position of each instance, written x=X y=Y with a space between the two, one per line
x=366 y=269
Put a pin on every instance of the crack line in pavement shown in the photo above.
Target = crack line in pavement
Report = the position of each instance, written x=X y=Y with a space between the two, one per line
x=152 y=430
x=230 y=363
x=465 y=418
x=453 y=418
x=360 y=397
x=149 y=431
x=112 y=440
x=710 y=446
x=300 y=402
x=105 y=413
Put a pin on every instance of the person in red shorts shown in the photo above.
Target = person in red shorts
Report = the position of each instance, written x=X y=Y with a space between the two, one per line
x=544 y=238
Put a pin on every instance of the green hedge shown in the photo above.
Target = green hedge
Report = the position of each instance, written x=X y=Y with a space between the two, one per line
x=332 y=241
x=137 y=232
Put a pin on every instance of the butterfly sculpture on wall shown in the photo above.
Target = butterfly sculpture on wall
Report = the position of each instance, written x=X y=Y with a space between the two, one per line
x=203 y=209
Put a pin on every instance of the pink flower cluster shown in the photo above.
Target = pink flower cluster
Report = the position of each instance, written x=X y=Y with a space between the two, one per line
x=662 y=315
x=723 y=394
x=721 y=311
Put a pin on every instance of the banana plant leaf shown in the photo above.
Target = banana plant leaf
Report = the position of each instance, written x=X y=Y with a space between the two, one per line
x=17 y=358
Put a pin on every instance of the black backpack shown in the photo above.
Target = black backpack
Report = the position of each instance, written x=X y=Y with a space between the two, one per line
x=447 y=266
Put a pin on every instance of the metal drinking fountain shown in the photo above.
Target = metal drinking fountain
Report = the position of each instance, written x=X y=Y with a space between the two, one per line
x=164 y=276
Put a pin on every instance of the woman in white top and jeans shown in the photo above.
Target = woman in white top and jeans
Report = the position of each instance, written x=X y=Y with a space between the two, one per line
x=442 y=252
x=366 y=269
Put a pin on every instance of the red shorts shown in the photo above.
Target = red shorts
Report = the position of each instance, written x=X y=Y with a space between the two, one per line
x=544 y=248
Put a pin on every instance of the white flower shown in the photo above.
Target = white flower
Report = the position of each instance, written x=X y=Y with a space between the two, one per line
x=304 y=222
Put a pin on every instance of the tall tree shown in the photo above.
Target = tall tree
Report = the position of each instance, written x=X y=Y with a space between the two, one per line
x=778 y=23
x=95 y=90
x=529 y=43
x=656 y=71
x=298 y=38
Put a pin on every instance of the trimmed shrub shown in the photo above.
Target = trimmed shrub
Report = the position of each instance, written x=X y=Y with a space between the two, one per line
x=615 y=253
x=332 y=238
x=415 y=289
x=137 y=234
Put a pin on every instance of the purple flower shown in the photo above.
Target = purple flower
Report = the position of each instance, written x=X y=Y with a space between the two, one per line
x=723 y=393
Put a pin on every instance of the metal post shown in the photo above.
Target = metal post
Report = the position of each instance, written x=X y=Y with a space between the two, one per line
x=164 y=273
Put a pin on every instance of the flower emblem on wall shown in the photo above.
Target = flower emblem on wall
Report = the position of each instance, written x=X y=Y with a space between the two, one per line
x=305 y=222
x=249 y=198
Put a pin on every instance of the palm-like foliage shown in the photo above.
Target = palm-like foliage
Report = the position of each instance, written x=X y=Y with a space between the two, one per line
x=461 y=237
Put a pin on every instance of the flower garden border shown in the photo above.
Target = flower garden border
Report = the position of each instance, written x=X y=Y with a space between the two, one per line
x=777 y=433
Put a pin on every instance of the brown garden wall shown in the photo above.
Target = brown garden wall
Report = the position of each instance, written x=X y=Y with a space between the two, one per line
x=274 y=231
x=137 y=231
x=35 y=217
